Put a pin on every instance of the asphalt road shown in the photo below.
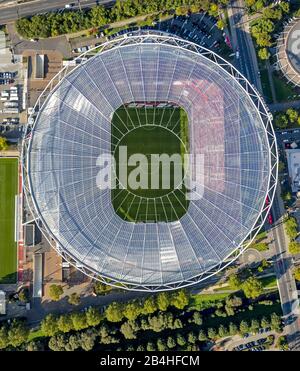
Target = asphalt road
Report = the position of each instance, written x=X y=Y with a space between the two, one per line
x=246 y=62
x=11 y=13
x=286 y=282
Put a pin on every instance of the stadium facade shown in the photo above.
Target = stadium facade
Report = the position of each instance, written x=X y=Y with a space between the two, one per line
x=229 y=125
x=288 y=51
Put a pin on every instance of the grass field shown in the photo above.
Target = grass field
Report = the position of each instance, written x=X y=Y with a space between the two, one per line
x=8 y=246
x=149 y=131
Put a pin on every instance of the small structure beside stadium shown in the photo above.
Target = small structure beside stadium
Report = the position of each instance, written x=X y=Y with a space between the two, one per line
x=2 y=303
x=293 y=159
x=39 y=67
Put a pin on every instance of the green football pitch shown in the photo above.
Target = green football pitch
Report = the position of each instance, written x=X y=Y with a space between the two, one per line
x=149 y=131
x=8 y=246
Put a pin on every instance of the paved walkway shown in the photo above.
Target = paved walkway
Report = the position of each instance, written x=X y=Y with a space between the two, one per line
x=40 y=310
x=284 y=106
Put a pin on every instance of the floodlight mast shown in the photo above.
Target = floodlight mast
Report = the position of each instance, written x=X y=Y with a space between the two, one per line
x=149 y=40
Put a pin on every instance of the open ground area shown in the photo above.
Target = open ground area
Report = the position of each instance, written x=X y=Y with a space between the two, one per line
x=8 y=246
x=149 y=131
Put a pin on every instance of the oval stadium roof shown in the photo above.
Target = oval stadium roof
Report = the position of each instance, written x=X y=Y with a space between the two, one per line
x=228 y=125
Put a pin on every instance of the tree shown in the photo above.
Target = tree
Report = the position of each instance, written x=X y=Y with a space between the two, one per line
x=149 y=305
x=252 y=287
x=150 y=347
x=286 y=196
x=181 y=340
x=292 y=115
x=244 y=327
x=265 y=323
x=282 y=343
x=101 y=288
x=192 y=338
x=3 y=144
x=132 y=310
x=49 y=325
x=276 y=323
x=163 y=300
x=129 y=329
x=233 y=329
x=114 y=312
x=294 y=247
x=221 y=24
x=222 y=331
x=35 y=346
x=18 y=333
x=255 y=325
x=93 y=316
x=212 y=333
x=234 y=301
x=171 y=343
x=202 y=335
x=79 y=321
x=180 y=299
x=281 y=121
x=87 y=340
x=285 y=6
x=65 y=323
x=4 y=341
x=291 y=227
x=161 y=345
x=74 y=299
x=57 y=342
x=197 y=319
x=264 y=53
x=297 y=273
x=55 y=292
x=234 y=281
x=281 y=166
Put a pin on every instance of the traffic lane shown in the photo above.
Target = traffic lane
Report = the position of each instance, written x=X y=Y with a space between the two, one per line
x=245 y=57
x=43 y=6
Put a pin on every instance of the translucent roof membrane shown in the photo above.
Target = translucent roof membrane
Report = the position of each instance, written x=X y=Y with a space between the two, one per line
x=74 y=127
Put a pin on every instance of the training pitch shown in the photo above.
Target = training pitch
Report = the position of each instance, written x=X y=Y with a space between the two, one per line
x=147 y=131
x=8 y=246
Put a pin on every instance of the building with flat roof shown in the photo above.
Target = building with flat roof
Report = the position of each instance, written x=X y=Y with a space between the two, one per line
x=2 y=303
x=293 y=158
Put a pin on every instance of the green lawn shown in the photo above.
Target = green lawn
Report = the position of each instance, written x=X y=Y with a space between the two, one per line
x=8 y=246
x=269 y=282
x=265 y=82
x=149 y=131
x=283 y=90
x=199 y=301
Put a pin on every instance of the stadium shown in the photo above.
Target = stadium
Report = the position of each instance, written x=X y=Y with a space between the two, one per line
x=150 y=93
x=287 y=52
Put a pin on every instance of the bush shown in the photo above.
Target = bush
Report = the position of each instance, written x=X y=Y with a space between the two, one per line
x=55 y=292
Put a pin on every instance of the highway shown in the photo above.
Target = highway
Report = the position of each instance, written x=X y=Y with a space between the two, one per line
x=13 y=12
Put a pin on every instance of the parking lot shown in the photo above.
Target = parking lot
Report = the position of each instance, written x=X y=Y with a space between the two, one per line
x=11 y=97
x=199 y=28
